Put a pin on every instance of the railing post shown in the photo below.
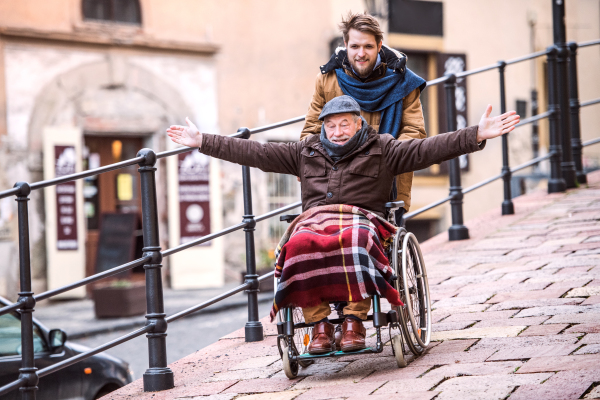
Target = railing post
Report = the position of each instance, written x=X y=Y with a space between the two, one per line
x=458 y=231
x=575 y=106
x=556 y=183
x=158 y=376
x=26 y=300
x=535 y=133
x=253 y=328
x=567 y=165
x=507 y=205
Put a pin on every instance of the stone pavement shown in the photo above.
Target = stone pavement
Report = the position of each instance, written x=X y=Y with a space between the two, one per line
x=516 y=315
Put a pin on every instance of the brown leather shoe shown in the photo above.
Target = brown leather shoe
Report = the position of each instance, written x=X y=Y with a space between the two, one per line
x=338 y=335
x=353 y=335
x=322 y=339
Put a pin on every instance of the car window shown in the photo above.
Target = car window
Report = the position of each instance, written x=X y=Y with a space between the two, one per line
x=10 y=336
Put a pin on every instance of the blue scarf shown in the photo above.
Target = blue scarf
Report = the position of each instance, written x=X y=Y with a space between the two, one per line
x=385 y=95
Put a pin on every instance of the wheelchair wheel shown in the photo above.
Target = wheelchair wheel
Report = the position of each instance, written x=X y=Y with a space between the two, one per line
x=302 y=336
x=398 y=350
x=415 y=316
x=290 y=368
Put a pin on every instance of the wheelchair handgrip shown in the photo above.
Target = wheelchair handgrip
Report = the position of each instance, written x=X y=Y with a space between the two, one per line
x=393 y=205
x=288 y=217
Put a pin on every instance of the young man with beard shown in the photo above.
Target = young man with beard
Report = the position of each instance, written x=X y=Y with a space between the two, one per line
x=377 y=78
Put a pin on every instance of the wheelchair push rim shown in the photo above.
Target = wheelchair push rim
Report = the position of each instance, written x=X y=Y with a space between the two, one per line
x=416 y=288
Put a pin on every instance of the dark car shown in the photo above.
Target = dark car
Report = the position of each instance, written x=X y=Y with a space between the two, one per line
x=88 y=379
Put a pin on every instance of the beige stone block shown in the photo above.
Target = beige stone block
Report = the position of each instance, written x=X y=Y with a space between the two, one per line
x=486 y=387
x=273 y=396
x=407 y=385
x=474 y=369
x=474 y=333
x=211 y=397
x=584 y=291
x=258 y=373
x=255 y=362
x=580 y=318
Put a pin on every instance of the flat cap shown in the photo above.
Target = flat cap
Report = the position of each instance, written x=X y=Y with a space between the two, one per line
x=339 y=105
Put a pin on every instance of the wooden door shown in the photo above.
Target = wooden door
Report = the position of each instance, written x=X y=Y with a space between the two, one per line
x=111 y=192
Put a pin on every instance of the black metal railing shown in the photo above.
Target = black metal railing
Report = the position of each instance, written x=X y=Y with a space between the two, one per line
x=566 y=170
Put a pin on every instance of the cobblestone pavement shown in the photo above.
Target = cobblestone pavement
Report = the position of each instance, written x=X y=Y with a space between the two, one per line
x=516 y=315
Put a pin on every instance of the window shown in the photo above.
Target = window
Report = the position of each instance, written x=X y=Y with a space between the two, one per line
x=10 y=336
x=282 y=190
x=120 y=11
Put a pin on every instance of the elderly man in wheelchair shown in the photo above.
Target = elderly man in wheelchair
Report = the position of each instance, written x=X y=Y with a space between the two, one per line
x=345 y=246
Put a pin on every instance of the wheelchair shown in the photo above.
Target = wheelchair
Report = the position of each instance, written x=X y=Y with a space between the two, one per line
x=409 y=325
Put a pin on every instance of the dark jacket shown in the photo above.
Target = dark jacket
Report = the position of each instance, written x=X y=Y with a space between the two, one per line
x=363 y=178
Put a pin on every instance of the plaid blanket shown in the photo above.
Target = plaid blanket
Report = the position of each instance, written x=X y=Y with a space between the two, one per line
x=333 y=253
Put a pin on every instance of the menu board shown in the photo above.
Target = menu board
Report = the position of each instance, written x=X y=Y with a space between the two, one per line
x=66 y=208
x=116 y=242
x=194 y=196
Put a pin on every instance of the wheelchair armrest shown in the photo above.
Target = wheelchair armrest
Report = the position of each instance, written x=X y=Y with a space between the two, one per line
x=394 y=205
x=288 y=217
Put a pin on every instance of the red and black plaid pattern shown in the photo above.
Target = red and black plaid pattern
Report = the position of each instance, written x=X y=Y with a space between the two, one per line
x=333 y=253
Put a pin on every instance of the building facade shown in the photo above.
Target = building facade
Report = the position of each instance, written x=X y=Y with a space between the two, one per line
x=94 y=81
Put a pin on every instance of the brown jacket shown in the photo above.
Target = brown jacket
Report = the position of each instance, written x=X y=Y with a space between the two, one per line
x=412 y=124
x=363 y=178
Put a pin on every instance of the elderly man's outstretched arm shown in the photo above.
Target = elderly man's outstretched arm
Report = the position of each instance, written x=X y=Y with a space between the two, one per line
x=412 y=155
x=281 y=158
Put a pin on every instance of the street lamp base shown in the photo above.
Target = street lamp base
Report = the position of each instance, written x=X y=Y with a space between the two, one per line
x=254 y=331
x=508 y=207
x=458 y=232
x=157 y=379
x=556 y=185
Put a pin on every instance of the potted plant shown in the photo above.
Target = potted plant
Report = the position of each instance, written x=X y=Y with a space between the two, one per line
x=119 y=298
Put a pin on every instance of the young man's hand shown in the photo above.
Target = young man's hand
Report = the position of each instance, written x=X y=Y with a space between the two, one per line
x=186 y=135
x=491 y=127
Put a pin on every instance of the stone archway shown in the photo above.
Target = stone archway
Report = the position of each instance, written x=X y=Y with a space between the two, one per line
x=111 y=97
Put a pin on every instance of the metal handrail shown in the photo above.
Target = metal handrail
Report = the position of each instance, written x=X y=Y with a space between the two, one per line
x=534 y=118
x=590 y=142
x=485 y=182
x=527 y=57
x=152 y=255
x=90 y=279
x=230 y=229
x=589 y=43
x=590 y=102
x=131 y=335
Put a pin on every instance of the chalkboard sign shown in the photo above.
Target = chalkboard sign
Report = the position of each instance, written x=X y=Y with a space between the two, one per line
x=116 y=243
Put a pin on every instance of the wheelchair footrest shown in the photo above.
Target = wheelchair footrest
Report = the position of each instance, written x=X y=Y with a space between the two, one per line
x=306 y=356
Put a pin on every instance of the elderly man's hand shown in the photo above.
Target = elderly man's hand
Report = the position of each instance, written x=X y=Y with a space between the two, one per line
x=186 y=135
x=490 y=128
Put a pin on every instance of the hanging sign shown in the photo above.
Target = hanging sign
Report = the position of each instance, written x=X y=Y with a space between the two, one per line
x=66 y=222
x=194 y=202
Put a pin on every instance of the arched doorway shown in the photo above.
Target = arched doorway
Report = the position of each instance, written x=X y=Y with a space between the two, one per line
x=117 y=108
